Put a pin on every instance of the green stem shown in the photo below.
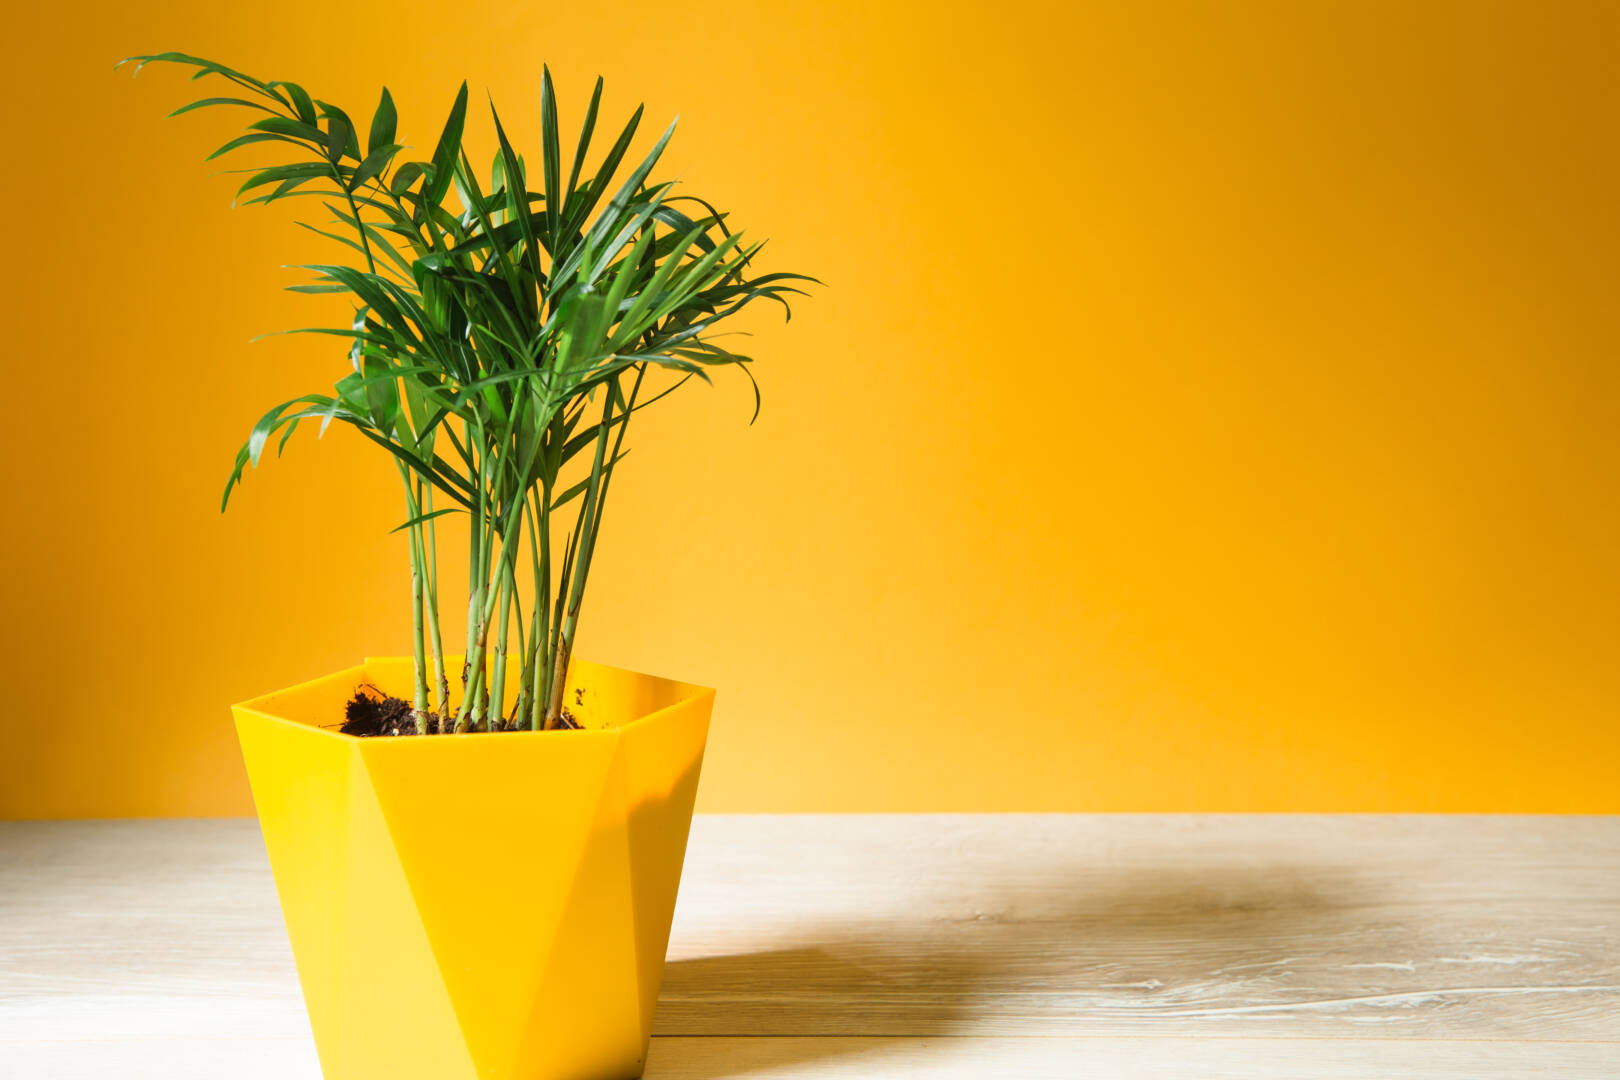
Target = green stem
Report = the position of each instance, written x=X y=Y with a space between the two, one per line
x=539 y=625
x=510 y=531
x=497 y=689
x=585 y=541
x=475 y=544
x=359 y=226
x=558 y=605
x=436 y=639
x=471 y=665
x=517 y=616
x=618 y=443
x=488 y=593
x=420 y=704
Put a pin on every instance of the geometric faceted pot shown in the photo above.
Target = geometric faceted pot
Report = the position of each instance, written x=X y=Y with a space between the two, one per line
x=480 y=906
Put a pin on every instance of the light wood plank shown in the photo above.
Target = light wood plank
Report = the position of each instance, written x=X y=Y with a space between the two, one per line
x=975 y=1058
x=111 y=929
x=971 y=1058
x=1432 y=927
x=1107 y=936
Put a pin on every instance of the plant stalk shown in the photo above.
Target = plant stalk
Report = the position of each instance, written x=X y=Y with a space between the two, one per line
x=497 y=688
x=419 y=707
x=585 y=541
x=436 y=639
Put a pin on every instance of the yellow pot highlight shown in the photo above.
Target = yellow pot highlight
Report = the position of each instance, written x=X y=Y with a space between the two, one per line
x=479 y=906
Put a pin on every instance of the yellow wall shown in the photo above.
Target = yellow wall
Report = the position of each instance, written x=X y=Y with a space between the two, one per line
x=1213 y=407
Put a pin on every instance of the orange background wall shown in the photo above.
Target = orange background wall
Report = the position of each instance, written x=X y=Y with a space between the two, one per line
x=1212 y=407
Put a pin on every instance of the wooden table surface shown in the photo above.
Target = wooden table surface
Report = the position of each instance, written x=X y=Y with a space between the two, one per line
x=950 y=946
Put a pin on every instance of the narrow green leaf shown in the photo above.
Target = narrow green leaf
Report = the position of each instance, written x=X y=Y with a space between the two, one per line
x=246 y=140
x=375 y=163
x=550 y=154
x=683 y=224
x=427 y=517
x=205 y=67
x=586 y=130
x=404 y=177
x=300 y=100
x=448 y=152
x=383 y=123
x=296 y=129
x=304 y=170
x=631 y=185
x=207 y=102
x=583 y=205
x=511 y=167
x=338 y=134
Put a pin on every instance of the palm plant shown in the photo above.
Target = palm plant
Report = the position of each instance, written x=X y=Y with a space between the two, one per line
x=498 y=353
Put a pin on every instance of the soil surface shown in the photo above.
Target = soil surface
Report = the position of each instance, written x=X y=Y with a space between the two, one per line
x=370 y=712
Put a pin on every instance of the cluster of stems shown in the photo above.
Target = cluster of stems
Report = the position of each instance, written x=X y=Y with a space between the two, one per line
x=510 y=521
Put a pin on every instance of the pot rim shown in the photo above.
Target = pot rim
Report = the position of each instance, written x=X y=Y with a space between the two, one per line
x=255 y=706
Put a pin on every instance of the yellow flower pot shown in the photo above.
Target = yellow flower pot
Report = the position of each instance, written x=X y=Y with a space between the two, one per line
x=491 y=906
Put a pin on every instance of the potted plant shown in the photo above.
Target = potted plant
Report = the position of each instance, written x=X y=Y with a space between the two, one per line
x=478 y=867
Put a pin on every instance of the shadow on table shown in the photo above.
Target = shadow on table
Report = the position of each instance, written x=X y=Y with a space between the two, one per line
x=1038 y=953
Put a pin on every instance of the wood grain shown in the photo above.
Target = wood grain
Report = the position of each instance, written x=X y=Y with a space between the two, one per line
x=976 y=1058
x=1319 y=926
x=1016 y=945
x=964 y=1058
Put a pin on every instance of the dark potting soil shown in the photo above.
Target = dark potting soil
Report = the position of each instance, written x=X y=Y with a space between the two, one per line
x=372 y=713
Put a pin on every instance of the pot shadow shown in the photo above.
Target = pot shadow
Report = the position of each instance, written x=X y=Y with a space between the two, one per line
x=1047 y=951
